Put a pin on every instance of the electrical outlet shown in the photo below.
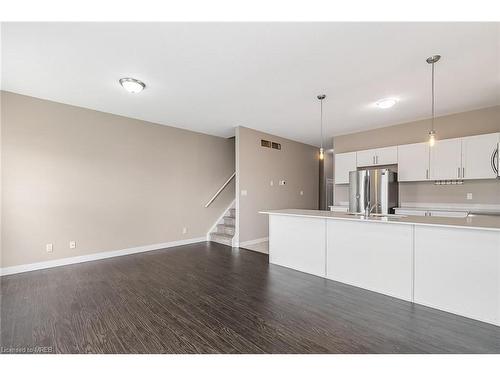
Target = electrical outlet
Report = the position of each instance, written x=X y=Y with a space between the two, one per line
x=282 y=182
x=184 y=230
x=469 y=196
x=49 y=247
x=72 y=244
x=302 y=192
x=271 y=183
x=243 y=193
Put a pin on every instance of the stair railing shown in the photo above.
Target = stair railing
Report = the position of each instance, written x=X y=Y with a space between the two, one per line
x=220 y=190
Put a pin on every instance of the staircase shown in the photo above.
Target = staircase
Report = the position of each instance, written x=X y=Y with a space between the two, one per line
x=224 y=230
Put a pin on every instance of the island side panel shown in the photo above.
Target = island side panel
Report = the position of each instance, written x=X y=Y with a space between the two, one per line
x=298 y=243
x=370 y=255
x=458 y=270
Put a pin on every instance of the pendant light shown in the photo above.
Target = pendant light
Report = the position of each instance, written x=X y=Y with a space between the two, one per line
x=432 y=133
x=321 y=151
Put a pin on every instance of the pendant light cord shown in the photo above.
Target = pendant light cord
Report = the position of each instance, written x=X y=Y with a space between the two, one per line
x=432 y=96
x=321 y=121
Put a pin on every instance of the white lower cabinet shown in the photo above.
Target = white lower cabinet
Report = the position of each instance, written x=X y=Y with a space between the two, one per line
x=410 y=212
x=374 y=256
x=298 y=243
x=339 y=208
x=448 y=213
x=438 y=213
x=458 y=271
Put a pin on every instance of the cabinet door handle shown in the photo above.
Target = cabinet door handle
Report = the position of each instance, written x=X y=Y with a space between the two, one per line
x=426 y=174
x=373 y=159
x=458 y=172
x=376 y=159
x=463 y=172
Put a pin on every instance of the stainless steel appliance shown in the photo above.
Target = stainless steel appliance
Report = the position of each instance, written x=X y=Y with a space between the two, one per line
x=373 y=191
x=495 y=160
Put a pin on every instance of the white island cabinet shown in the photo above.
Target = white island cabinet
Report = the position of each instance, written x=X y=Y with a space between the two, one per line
x=458 y=270
x=372 y=256
x=290 y=237
x=448 y=263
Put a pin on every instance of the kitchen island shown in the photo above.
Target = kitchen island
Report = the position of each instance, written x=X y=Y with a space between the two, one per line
x=452 y=264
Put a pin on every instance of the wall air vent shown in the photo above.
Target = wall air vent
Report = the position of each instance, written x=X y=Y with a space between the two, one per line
x=266 y=143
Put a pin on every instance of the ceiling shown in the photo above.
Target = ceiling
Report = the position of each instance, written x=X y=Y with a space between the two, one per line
x=212 y=77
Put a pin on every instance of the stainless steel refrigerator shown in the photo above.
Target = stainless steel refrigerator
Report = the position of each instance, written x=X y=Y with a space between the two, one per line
x=373 y=191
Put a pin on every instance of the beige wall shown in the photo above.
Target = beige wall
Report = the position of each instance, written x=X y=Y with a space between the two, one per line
x=296 y=163
x=104 y=181
x=480 y=121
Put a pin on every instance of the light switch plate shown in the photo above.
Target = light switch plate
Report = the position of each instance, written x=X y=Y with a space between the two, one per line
x=49 y=247
x=244 y=193
x=469 y=196
x=302 y=192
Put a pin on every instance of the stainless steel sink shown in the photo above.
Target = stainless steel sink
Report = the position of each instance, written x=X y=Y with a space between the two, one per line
x=392 y=216
x=388 y=215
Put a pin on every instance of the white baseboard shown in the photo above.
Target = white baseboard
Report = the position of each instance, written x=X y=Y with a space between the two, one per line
x=95 y=256
x=253 y=242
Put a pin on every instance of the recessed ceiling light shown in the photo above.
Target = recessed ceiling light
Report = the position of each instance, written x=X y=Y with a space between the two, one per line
x=386 y=103
x=132 y=85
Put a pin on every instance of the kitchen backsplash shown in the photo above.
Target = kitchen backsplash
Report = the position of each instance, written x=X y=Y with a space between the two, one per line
x=482 y=192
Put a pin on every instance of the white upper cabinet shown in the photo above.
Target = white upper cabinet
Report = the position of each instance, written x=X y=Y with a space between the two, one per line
x=365 y=158
x=466 y=158
x=344 y=163
x=413 y=162
x=386 y=155
x=377 y=156
x=476 y=156
x=446 y=160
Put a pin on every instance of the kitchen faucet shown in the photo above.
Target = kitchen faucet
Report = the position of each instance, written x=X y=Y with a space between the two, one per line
x=369 y=209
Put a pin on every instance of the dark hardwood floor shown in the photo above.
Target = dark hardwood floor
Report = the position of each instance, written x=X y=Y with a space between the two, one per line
x=208 y=298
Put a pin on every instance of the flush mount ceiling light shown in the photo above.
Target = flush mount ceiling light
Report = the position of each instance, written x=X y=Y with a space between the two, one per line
x=386 y=103
x=132 y=85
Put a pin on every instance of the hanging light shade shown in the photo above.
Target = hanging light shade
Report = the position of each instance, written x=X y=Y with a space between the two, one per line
x=432 y=133
x=321 y=150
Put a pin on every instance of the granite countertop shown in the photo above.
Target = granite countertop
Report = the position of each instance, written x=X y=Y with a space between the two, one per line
x=472 y=222
x=472 y=210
